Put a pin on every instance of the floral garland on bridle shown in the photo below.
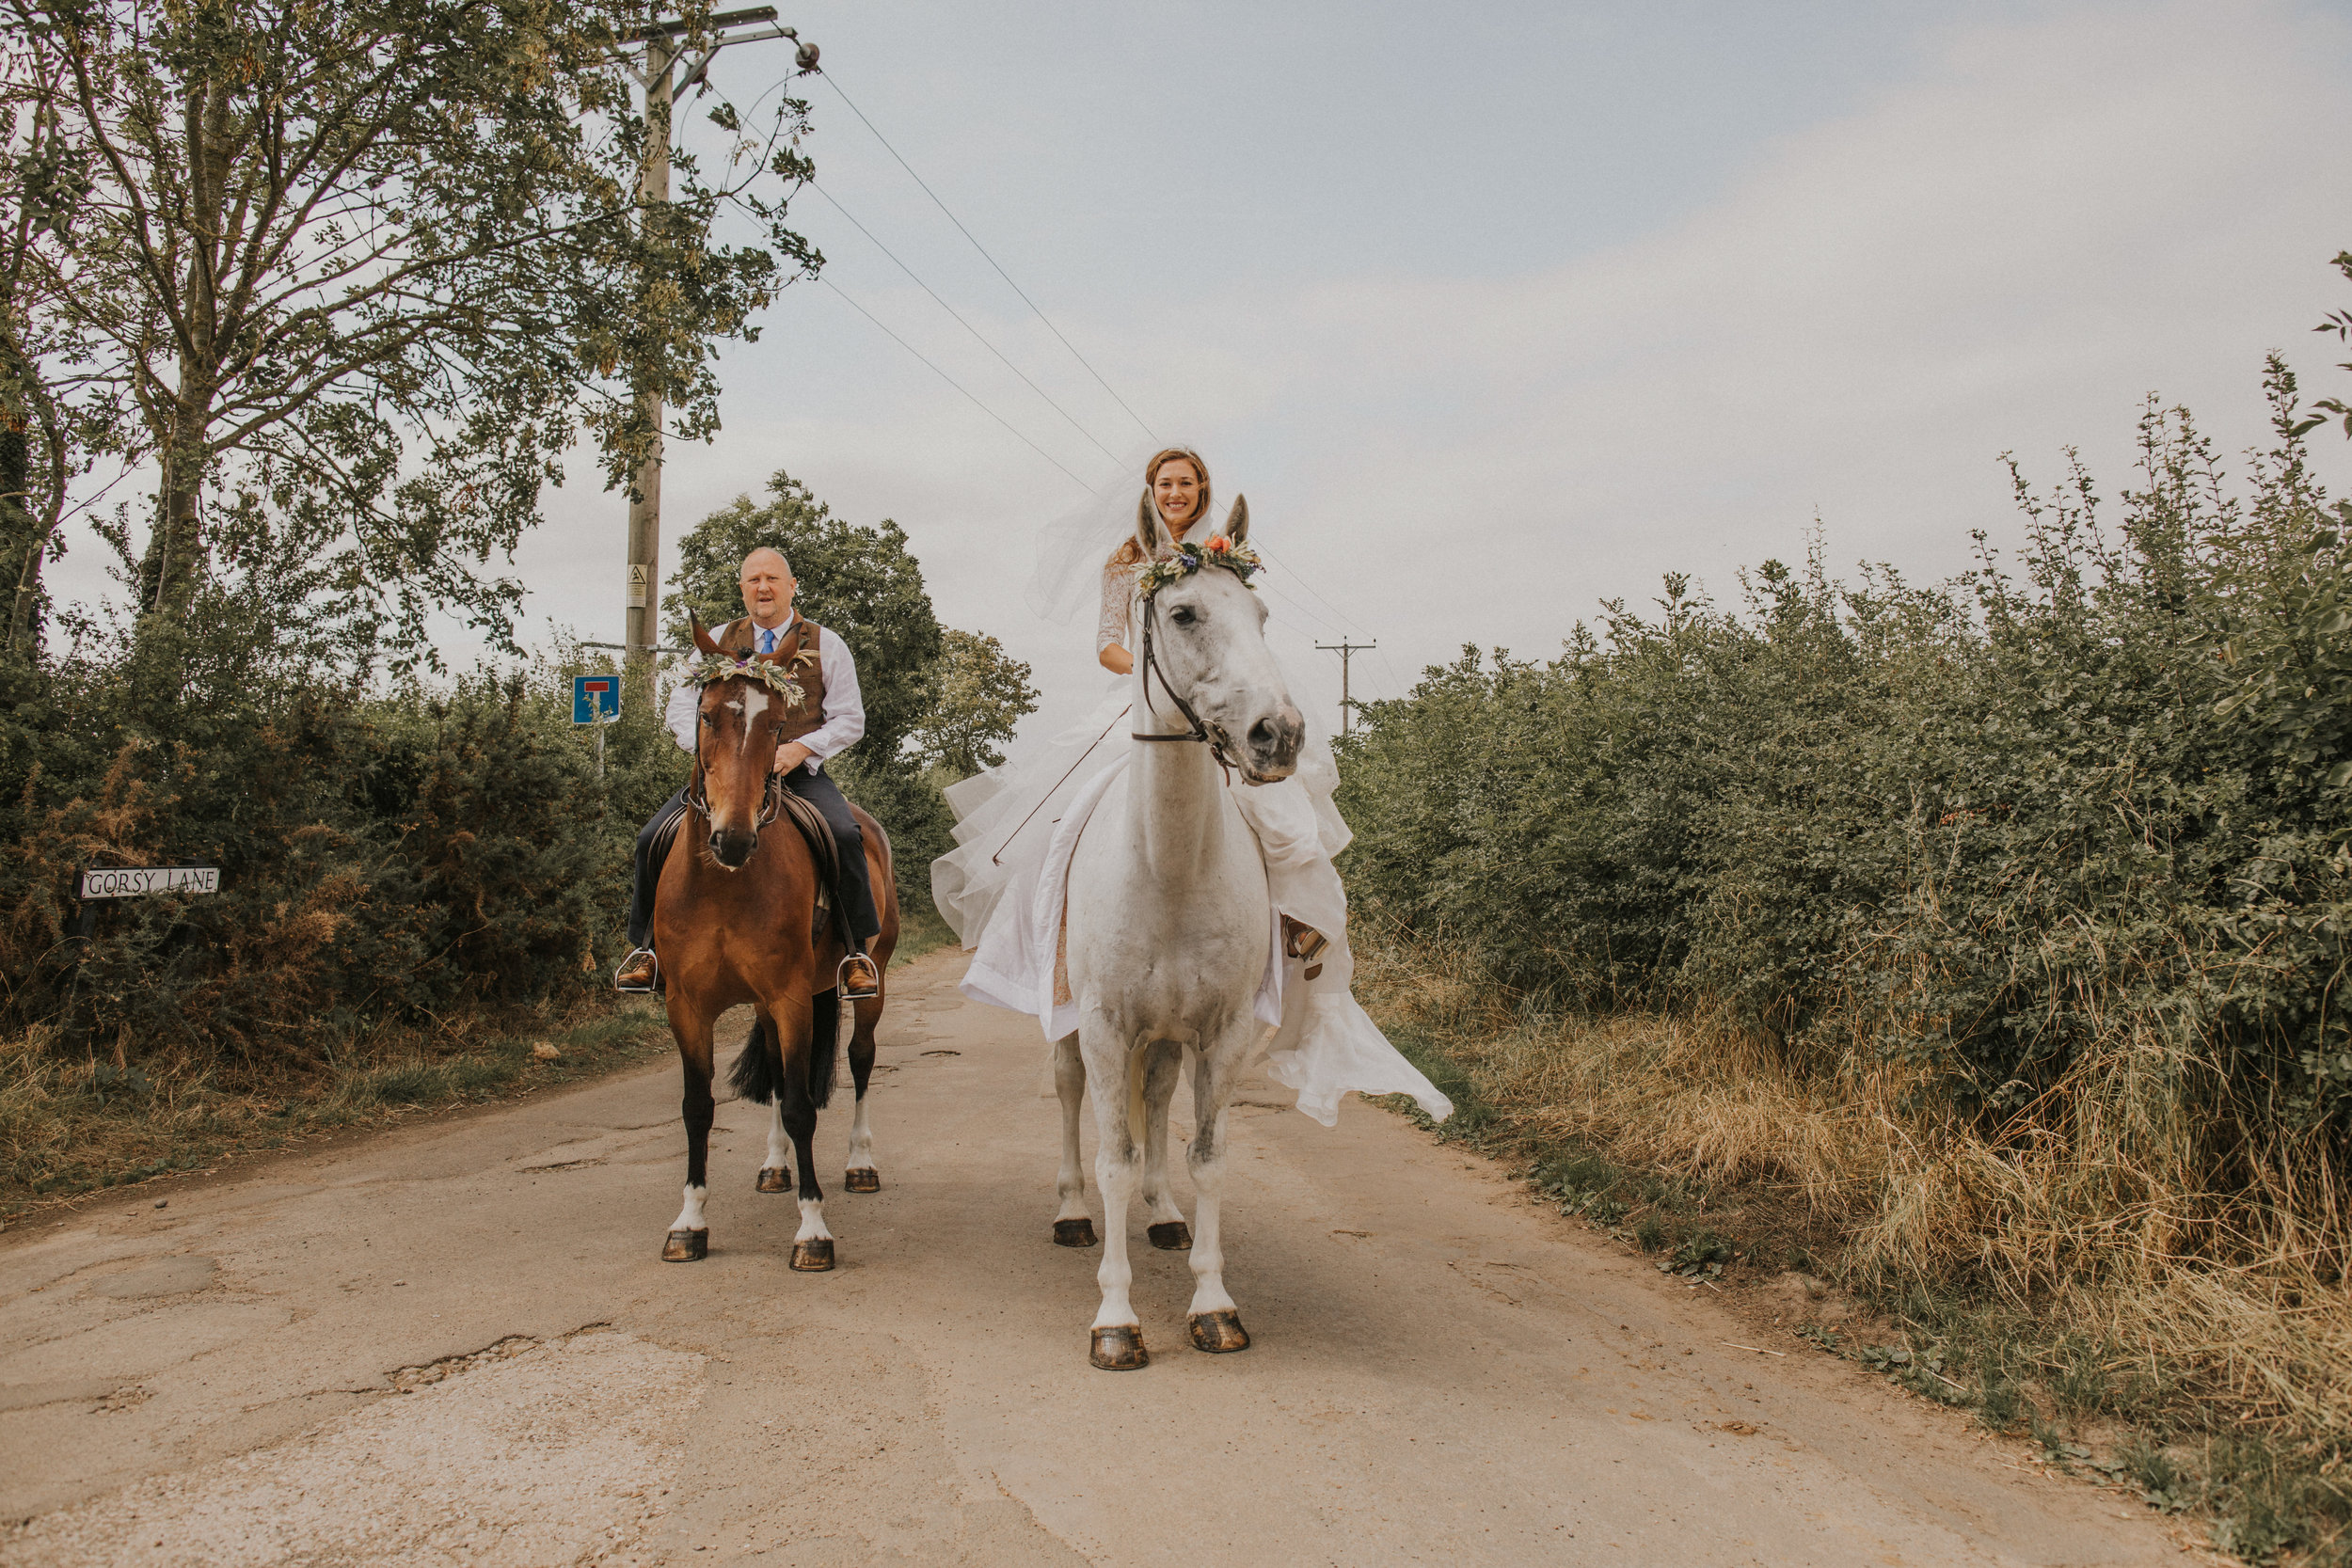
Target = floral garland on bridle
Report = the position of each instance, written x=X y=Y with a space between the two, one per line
x=773 y=673
x=1215 y=550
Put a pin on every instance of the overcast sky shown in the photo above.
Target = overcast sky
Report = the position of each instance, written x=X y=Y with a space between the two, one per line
x=1496 y=311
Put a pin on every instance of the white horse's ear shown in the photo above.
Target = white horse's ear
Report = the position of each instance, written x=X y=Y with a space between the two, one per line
x=1149 y=530
x=702 y=637
x=1237 y=521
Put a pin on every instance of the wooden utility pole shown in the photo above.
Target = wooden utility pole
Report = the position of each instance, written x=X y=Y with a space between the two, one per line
x=1346 y=650
x=668 y=43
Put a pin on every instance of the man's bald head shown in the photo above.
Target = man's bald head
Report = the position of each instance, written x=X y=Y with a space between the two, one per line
x=768 y=587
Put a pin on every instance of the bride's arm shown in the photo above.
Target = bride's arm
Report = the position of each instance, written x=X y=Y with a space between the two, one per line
x=1111 y=633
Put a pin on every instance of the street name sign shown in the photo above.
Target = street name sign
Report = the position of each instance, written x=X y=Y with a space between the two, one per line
x=136 y=881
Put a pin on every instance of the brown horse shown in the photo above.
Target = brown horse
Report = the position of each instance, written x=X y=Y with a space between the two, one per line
x=735 y=922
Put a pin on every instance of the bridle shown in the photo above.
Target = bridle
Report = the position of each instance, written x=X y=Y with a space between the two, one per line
x=1199 y=731
x=698 y=799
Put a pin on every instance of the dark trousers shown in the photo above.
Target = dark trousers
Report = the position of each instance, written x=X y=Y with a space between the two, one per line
x=855 y=893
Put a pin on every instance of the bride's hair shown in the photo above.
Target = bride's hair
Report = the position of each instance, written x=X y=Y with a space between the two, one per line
x=1130 y=553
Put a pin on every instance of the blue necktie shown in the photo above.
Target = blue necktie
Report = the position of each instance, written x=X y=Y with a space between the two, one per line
x=766 y=640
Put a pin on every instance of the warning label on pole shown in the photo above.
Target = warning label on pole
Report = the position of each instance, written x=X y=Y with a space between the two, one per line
x=640 y=576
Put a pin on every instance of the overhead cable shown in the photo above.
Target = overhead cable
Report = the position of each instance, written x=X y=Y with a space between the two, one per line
x=952 y=382
x=961 y=322
x=990 y=259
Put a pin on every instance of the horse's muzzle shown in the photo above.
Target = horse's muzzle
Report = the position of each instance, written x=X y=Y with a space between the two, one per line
x=732 y=847
x=1270 y=751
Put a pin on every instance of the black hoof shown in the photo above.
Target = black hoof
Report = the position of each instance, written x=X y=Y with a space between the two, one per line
x=774 y=1178
x=813 y=1257
x=686 y=1246
x=1175 y=1236
x=1118 y=1350
x=1079 y=1232
x=865 y=1180
x=1219 y=1331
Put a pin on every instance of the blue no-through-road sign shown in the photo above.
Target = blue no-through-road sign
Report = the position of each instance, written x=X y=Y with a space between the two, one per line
x=596 y=699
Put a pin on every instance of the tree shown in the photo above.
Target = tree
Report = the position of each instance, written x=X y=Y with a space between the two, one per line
x=386 y=260
x=861 y=581
x=983 y=695
x=46 y=436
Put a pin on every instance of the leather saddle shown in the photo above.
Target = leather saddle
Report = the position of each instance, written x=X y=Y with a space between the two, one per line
x=822 y=847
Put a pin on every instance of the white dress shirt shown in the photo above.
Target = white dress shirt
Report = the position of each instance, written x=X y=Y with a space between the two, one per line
x=841 y=721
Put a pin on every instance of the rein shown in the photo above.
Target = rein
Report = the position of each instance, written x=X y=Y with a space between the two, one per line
x=1199 y=731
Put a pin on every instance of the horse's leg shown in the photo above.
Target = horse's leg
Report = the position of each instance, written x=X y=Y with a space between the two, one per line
x=775 y=1173
x=860 y=1175
x=1214 y=1322
x=1163 y=1064
x=1118 y=1345
x=812 y=1248
x=1072 y=1225
x=690 y=1233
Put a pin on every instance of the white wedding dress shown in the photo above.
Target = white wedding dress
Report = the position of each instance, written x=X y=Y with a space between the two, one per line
x=1002 y=890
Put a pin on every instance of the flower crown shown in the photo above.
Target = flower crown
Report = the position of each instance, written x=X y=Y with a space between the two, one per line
x=1215 y=550
x=775 y=674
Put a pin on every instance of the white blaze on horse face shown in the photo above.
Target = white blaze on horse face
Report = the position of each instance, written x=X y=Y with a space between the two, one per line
x=752 y=706
x=691 y=1216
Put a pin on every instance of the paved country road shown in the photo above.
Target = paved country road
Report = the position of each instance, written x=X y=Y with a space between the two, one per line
x=455 y=1344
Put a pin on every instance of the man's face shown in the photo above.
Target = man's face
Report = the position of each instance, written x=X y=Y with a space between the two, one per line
x=768 y=587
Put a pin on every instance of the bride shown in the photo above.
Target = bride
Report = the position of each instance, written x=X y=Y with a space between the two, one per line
x=1001 y=889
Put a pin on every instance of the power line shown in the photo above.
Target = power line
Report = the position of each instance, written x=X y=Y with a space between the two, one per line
x=961 y=322
x=990 y=260
x=1309 y=587
x=953 y=382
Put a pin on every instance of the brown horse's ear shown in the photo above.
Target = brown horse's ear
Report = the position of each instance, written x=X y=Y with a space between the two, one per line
x=1149 y=530
x=702 y=637
x=1237 y=521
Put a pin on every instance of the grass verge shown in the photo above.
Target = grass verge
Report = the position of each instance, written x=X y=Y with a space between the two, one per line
x=72 y=1128
x=2217 y=1386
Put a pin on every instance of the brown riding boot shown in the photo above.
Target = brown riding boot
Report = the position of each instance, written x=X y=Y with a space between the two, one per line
x=859 y=978
x=1302 y=941
x=639 y=971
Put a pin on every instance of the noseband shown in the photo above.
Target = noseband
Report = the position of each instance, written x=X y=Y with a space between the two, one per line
x=1199 y=731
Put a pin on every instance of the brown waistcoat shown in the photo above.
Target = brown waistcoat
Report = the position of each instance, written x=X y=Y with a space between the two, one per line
x=809 y=712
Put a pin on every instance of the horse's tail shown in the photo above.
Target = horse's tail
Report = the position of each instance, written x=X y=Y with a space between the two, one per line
x=759 y=1074
x=824 y=1044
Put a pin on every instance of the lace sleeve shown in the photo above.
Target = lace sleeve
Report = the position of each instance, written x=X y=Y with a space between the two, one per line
x=1119 y=587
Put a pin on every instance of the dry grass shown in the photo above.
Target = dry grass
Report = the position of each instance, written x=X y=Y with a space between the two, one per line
x=77 y=1126
x=2085 y=1239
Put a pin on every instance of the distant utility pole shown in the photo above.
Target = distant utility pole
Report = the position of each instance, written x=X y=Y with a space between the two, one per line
x=1347 y=651
x=667 y=45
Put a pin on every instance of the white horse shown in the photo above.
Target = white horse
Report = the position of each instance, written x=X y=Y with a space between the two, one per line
x=1170 y=930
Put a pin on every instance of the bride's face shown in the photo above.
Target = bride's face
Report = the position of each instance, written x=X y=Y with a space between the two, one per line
x=1176 y=490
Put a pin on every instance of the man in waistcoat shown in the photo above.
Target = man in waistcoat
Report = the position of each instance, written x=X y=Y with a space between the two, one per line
x=830 y=718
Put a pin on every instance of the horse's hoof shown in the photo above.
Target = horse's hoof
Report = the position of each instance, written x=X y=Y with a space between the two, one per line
x=1079 y=1232
x=867 y=1180
x=686 y=1246
x=1218 y=1332
x=1174 y=1236
x=774 y=1178
x=813 y=1257
x=1119 y=1350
